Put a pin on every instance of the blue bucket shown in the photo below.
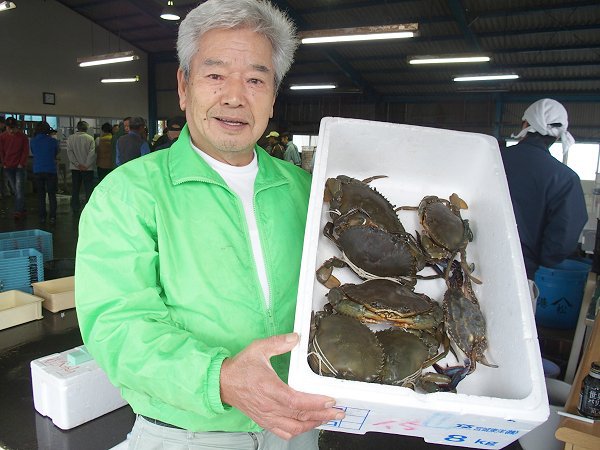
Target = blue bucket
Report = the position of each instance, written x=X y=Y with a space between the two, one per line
x=561 y=292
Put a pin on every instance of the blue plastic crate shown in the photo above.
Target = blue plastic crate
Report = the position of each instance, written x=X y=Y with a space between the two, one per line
x=38 y=239
x=20 y=268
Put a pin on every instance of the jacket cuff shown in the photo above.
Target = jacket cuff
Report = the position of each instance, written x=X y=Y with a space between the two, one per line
x=214 y=385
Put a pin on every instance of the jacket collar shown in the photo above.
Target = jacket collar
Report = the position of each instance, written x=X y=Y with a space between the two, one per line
x=185 y=165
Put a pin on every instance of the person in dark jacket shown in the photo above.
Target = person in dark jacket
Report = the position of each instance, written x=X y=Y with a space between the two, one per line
x=133 y=144
x=45 y=149
x=547 y=196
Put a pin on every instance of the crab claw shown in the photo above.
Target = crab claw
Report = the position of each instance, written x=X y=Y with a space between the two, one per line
x=456 y=374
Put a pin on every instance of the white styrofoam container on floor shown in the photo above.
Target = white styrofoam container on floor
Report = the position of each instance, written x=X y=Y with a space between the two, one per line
x=58 y=294
x=72 y=394
x=493 y=406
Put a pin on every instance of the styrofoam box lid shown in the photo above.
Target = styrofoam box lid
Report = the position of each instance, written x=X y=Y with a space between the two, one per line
x=421 y=161
x=57 y=367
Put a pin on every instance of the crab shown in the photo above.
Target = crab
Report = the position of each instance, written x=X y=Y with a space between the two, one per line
x=465 y=325
x=407 y=353
x=349 y=197
x=373 y=252
x=385 y=301
x=445 y=232
x=343 y=347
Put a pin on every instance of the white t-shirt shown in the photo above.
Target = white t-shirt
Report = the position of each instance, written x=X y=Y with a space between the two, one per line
x=241 y=181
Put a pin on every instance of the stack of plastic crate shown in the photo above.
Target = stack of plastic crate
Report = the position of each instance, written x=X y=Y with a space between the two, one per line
x=22 y=256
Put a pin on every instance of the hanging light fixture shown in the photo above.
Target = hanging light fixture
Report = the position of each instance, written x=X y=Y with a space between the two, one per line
x=109 y=58
x=304 y=87
x=5 y=6
x=487 y=77
x=447 y=59
x=169 y=12
x=406 y=30
x=134 y=79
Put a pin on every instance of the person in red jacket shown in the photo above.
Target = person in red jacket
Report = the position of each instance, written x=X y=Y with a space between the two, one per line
x=14 y=153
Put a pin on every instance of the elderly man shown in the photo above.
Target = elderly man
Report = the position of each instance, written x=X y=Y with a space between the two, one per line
x=185 y=284
x=547 y=196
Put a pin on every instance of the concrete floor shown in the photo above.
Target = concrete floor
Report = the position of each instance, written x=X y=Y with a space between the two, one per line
x=22 y=428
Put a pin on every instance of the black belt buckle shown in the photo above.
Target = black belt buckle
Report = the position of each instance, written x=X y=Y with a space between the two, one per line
x=158 y=422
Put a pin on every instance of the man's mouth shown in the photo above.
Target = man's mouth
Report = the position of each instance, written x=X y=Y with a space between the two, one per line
x=231 y=122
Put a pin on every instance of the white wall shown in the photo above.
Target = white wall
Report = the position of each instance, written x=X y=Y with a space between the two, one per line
x=41 y=41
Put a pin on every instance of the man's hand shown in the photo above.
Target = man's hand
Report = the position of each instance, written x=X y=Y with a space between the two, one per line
x=249 y=383
x=82 y=167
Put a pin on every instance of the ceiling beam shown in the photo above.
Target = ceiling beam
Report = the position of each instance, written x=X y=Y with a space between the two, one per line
x=458 y=12
x=333 y=56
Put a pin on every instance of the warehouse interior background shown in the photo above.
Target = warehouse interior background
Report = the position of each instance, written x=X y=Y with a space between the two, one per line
x=553 y=47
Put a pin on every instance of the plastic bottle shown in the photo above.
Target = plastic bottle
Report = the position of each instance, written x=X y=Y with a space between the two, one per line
x=589 y=399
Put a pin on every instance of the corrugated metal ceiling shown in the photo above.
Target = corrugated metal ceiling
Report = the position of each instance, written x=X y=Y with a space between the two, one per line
x=553 y=45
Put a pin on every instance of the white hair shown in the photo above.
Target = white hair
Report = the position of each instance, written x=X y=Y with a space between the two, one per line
x=258 y=15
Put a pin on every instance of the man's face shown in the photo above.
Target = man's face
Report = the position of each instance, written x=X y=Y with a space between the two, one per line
x=229 y=96
x=126 y=126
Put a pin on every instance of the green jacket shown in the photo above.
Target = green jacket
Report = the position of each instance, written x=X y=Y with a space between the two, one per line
x=166 y=284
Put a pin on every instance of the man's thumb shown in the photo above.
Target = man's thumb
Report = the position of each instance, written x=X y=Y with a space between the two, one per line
x=280 y=344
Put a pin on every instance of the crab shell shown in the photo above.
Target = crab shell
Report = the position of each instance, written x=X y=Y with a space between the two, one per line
x=465 y=324
x=443 y=224
x=349 y=196
x=379 y=253
x=407 y=353
x=342 y=347
x=382 y=300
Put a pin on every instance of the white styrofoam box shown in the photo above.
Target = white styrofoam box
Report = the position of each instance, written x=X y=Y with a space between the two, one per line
x=58 y=294
x=493 y=406
x=18 y=307
x=72 y=394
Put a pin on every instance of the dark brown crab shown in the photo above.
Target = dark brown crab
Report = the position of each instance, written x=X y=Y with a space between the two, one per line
x=407 y=353
x=445 y=232
x=372 y=252
x=353 y=200
x=381 y=300
x=465 y=324
x=342 y=347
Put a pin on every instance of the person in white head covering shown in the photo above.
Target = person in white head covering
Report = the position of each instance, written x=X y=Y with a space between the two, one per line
x=547 y=196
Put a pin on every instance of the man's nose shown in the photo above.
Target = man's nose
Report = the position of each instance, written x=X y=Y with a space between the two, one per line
x=234 y=91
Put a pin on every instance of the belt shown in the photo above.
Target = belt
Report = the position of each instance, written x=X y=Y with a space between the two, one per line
x=158 y=422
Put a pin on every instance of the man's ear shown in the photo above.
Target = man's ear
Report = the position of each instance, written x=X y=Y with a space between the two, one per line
x=182 y=86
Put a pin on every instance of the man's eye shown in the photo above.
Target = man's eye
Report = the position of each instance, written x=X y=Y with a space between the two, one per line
x=214 y=76
x=255 y=81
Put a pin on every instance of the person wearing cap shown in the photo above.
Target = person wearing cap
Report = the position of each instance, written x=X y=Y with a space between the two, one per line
x=81 y=151
x=547 y=196
x=14 y=154
x=174 y=127
x=274 y=147
x=188 y=261
x=133 y=144
x=45 y=151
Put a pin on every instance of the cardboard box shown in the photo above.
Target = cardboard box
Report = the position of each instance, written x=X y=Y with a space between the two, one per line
x=493 y=406
x=72 y=390
x=58 y=294
x=17 y=307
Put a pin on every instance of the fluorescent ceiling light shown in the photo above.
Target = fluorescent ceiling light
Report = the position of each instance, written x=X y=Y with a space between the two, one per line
x=302 y=87
x=5 y=6
x=169 y=12
x=360 y=33
x=446 y=59
x=120 y=80
x=487 y=77
x=109 y=58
